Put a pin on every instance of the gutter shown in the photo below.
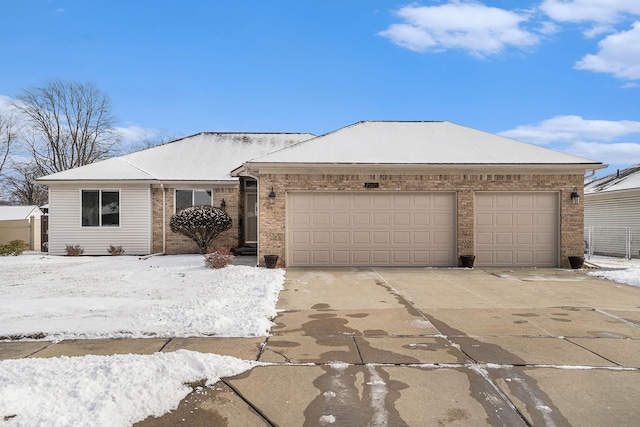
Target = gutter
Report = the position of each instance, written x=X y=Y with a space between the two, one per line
x=164 y=219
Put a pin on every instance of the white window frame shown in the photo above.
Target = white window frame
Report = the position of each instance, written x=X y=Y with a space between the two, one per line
x=100 y=191
x=192 y=190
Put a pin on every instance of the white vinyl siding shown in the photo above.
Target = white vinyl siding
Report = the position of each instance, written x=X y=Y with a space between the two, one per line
x=612 y=224
x=612 y=211
x=362 y=229
x=65 y=222
x=517 y=229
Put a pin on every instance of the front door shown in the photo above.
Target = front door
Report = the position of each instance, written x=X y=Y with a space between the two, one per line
x=251 y=217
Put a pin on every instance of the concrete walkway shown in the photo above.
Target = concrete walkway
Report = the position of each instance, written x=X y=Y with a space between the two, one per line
x=420 y=347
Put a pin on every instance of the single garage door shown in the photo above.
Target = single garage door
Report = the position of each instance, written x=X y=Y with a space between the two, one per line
x=364 y=229
x=517 y=229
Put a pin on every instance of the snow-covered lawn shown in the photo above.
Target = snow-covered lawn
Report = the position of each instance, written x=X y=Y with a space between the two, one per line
x=62 y=298
x=57 y=298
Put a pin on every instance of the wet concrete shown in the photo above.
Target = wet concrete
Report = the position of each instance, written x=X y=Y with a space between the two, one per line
x=414 y=347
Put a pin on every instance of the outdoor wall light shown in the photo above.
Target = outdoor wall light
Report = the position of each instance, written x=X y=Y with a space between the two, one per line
x=272 y=197
x=575 y=196
x=223 y=205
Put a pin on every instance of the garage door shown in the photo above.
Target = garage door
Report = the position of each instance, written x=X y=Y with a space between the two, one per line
x=517 y=229
x=363 y=229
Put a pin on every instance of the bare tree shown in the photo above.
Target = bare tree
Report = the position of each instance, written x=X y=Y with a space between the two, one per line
x=8 y=136
x=21 y=187
x=150 y=140
x=71 y=125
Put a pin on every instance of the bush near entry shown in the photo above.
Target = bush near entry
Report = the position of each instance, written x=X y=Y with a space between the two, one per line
x=202 y=224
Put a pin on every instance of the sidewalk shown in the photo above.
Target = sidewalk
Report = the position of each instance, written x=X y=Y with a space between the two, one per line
x=419 y=347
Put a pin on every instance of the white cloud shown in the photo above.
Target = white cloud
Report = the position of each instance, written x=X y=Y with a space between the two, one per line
x=618 y=54
x=620 y=153
x=466 y=25
x=599 y=11
x=5 y=105
x=548 y=28
x=135 y=134
x=569 y=129
x=594 y=139
x=598 y=30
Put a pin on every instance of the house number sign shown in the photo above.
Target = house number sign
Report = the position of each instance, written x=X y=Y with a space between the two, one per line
x=371 y=185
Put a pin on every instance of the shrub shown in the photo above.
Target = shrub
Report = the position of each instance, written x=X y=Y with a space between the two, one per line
x=115 y=250
x=218 y=257
x=202 y=224
x=14 y=247
x=74 y=250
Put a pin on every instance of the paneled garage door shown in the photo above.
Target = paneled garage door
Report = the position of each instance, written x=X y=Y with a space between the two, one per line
x=517 y=229
x=362 y=229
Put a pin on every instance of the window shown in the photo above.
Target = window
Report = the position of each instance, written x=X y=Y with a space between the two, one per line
x=100 y=208
x=186 y=198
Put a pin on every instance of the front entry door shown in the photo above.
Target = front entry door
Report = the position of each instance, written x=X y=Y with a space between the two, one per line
x=251 y=217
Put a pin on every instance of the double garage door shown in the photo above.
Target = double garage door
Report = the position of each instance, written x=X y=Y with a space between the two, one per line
x=362 y=229
x=419 y=229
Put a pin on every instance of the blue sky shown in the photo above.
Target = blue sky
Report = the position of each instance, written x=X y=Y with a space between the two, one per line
x=559 y=73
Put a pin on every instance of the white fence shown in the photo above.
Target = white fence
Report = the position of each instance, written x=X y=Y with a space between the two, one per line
x=622 y=242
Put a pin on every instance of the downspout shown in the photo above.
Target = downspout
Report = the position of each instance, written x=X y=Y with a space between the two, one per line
x=258 y=223
x=164 y=219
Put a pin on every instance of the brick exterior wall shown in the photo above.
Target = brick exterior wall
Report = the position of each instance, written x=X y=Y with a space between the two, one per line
x=177 y=243
x=273 y=218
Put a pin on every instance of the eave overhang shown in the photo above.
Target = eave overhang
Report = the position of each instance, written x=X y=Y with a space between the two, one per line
x=231 y=182
x=458 y=168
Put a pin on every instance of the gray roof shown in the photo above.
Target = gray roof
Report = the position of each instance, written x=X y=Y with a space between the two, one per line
x=418 y=143
x=626 y=179
x=207 y=156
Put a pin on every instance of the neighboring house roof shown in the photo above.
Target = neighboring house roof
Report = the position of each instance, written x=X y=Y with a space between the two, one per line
x=418 y=143
x=10 y=213
x=626 y=179
x=207 y=156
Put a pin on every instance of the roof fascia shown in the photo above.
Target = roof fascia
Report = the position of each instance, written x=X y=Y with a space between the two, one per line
x=298 y=168
x=231 y=183
x=51 y=182
x=244 y=171
x=67 y=182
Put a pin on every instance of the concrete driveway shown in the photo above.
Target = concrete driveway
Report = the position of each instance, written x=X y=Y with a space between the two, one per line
x=421 y=347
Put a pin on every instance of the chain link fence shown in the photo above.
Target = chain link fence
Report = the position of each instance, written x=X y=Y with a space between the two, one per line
x=621 y=242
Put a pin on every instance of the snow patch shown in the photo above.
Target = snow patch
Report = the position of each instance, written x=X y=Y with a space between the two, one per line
x=378 y=392
x=325 y=420
x=108 y=390
x=339 y=366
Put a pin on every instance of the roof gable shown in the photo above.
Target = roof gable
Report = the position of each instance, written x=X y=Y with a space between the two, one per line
x=9 y=213
x=207 y=156
x=417 y=143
